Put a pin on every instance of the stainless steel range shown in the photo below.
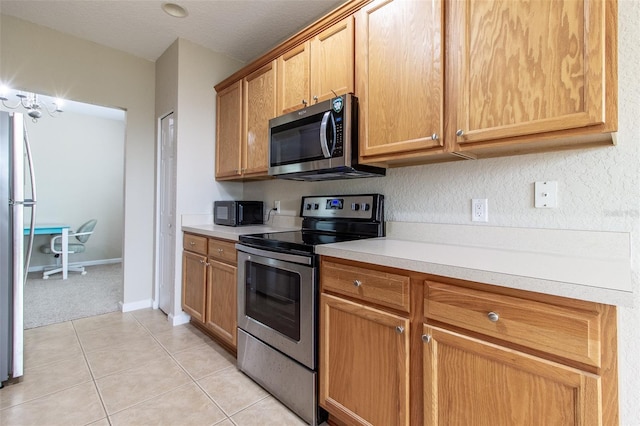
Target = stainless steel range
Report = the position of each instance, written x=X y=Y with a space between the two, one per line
x=278 y=294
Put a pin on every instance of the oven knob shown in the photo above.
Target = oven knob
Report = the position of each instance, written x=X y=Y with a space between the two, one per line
x=366 y=206
x=316 y=206
x=355 y=206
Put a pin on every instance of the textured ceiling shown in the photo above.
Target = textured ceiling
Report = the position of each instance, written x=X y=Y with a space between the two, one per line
x=241 y=29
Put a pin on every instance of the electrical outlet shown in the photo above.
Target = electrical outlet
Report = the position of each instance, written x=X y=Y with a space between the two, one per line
x=480 y=210
x=276 y=206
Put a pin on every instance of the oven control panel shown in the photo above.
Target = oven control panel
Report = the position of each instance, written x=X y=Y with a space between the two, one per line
x=342 y=206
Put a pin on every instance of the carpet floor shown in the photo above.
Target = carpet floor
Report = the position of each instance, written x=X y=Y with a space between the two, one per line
x=56 y=300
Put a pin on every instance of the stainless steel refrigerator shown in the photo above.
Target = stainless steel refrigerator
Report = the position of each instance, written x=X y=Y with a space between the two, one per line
x=17 y=199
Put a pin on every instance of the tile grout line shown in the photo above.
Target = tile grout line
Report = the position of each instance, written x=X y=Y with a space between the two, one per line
x=187 y=373
x=93 y=378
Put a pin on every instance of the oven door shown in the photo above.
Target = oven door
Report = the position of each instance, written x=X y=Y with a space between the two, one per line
x=277 y=301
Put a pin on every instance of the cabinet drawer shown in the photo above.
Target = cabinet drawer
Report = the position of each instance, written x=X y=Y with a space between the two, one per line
x=195 y=243
x=222 y=250
x=383 y=288
x=566 y=332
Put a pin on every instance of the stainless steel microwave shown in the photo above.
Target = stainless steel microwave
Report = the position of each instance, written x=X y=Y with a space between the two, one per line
x=319 y=142
x=238 y=213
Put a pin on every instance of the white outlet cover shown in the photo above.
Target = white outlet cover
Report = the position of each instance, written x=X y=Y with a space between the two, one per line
x=546 y=195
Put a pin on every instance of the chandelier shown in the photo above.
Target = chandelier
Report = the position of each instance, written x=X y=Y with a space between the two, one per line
x=32 y=103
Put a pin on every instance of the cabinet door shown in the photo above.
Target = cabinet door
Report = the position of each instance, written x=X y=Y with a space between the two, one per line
x=221 y=301
x=525 y=67
x=399 y=80
x=332 y=59
x=194 y=284
x=468 y=381
x=259 y=107
x=293 y=79
x=229 y=131
x=364 y=363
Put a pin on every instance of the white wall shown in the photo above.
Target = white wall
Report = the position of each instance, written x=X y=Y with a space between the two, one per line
x=599 y=189
x=48 y=62
x=186 y=74
x=79 y=164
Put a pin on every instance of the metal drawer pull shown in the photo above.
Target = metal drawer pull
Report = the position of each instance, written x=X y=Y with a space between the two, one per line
x=434 y=137
x=460 y=132
x=399 y=329
x=493 y=317
x=192 y=243
x=357 y=283
x=426 y=338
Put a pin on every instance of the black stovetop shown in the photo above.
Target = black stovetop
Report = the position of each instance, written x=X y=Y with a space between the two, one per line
x=327 y=219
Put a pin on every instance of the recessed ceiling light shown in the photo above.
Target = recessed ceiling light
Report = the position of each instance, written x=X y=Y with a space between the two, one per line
x=174 y=10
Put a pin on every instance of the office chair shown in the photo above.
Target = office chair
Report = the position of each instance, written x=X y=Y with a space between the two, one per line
x=82 y=234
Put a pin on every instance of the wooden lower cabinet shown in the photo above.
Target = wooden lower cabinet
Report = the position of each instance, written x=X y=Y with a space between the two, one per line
x=209 y=286
x=364 y=363
x=463 y=353
x=469 y=381
x=221 y=301
x=194 y=284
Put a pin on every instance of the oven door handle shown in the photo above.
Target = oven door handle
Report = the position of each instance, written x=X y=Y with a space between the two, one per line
x=304 y=260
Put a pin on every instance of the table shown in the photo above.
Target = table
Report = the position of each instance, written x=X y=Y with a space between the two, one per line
x=55 y=229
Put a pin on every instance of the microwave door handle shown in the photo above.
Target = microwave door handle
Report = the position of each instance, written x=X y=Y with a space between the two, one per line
x=323 y=135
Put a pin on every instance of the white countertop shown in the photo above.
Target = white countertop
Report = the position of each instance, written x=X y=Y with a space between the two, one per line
x=585 y=265
x=232 y=232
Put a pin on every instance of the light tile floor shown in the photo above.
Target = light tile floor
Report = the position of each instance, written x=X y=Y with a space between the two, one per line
x=133 y=369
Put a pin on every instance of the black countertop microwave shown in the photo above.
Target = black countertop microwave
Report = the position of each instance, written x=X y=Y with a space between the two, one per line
x=319 y=142
x=238 y=213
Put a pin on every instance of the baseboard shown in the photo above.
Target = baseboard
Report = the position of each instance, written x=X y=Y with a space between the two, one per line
x=134 y=306
x=179 y=319
x=86 y=263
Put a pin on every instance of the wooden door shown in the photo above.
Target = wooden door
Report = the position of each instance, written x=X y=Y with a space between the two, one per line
x=364 y=363
x=229 y=131
x=524 y=67
x=221 y=316
x=468 y=381
x=293 y=79
x=259 y=107
x=332 y=61
x=399 y=79
x=194 y=284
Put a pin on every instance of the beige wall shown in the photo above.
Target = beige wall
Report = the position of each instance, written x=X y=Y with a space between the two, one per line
x=186 y=74
x=48 y=62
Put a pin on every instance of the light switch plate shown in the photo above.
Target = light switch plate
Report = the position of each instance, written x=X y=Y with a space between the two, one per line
x=546 y=195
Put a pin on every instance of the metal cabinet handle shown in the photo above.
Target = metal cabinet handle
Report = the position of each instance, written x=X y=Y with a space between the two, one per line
x=220 y=250
x=315 y=98
x=357 y=283
x=493 y=317
x=207 y=264
x=460 y=132
x=201 y=261
x=434 y=137
x=304 y=102
x=399 y=329
x=426 y=338
x=192 y=243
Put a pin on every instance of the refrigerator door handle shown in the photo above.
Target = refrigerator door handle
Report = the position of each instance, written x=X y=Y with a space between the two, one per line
x=29 y=203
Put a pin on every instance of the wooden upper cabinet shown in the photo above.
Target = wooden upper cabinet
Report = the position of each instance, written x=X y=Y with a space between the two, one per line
x=399 y=78
x=259 y=107
x=525 y=67
x=313 y=71
x=332 y=61
x=293 y=79
x=229 y=131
